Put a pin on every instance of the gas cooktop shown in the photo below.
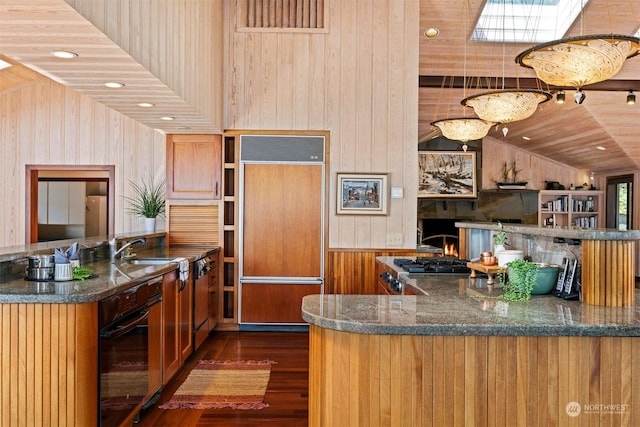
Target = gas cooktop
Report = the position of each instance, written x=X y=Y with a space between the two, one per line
x=433 y=265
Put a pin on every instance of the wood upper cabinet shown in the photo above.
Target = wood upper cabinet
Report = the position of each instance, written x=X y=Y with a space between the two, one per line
x=194 y=166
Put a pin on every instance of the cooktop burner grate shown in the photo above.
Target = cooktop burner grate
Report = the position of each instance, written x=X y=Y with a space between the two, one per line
x=433 y=265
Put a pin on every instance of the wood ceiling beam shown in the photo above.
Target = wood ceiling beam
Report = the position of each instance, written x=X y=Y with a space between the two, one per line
x=489 y=83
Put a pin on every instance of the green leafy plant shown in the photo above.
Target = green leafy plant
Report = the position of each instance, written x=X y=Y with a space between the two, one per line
x=149 y=201
x=81 y=273
x=521 y=279
x=500 y=238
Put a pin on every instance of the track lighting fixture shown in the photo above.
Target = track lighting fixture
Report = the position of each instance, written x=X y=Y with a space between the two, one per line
x=579 y=96
x=560 y=97
x=631 y=98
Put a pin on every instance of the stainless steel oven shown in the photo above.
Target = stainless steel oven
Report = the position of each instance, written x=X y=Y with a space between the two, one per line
x=124 y=352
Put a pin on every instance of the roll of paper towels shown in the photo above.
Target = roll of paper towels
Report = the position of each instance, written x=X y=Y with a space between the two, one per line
x=505 y=257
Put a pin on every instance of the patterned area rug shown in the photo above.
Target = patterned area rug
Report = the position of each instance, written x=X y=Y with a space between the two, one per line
x=215 y=384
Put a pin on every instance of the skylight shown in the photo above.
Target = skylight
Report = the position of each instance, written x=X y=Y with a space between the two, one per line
x=526 y=21
x=4 y=64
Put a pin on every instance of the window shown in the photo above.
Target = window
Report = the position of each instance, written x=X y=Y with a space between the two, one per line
x=620 y=202
x=526 y=21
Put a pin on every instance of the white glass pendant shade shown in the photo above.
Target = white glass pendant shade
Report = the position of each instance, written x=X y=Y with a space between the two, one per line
x=580 y=61
x=507 y=105
x=463 y=128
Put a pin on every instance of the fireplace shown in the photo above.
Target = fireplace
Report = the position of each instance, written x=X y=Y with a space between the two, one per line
x=440 y=233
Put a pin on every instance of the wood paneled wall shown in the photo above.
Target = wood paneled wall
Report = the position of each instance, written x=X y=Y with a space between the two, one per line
x=358 y=81
x=49 y=358
x=354 y=271
x=46 y=123
x=391 y=380
x=180 y=42
x=533 y=168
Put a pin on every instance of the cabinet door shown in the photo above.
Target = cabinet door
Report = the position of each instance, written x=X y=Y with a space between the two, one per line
x=77 y=202
x=43 y=202
x=186 y=320
x=194 y=166
x=170 y=326
x=58 y=202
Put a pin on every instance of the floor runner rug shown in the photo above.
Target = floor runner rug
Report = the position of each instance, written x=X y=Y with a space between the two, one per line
x=216 y=384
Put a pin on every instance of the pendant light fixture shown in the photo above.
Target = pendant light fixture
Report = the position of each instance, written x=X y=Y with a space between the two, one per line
x=580 y=61
x=463 y=129
x=506 y=105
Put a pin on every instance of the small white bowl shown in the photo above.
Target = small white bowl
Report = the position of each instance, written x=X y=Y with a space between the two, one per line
x=505 y=257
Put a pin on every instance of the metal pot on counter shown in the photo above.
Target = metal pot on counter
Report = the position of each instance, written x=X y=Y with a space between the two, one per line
x=41 y=267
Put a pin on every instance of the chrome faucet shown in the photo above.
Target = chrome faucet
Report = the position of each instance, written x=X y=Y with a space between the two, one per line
x=113 y=243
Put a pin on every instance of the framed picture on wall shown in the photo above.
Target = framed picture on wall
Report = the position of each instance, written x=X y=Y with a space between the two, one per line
x=361 y=194
x=447 y=174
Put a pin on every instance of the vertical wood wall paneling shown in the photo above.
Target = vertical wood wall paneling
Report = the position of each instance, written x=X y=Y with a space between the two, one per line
x=45 y=123
x=49 y=364
x=533 y=168
x=354 y=271
x=331 y=91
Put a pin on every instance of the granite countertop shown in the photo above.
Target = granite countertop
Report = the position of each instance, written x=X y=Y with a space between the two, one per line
x=109 y=278
x=459 y=305
x=563 y=232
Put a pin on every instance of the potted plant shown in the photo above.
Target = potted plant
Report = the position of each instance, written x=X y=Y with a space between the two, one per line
x=522 y=276
x=149 y=202
x=499 y=240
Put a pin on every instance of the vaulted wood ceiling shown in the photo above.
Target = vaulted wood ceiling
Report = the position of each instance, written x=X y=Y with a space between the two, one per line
x=568 y=133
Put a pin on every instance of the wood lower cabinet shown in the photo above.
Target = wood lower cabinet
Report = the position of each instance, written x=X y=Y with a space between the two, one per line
x=177 y=343
x=274 y=303
x=419 y=380
x=49 y=358
x=214 y=279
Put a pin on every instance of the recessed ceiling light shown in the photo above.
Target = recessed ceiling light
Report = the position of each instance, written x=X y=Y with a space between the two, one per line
x=601 y=148
x=114 y=85
x=64 y=54
x=167 y=118
x=431 y=32
x=146 y=104
x=526 y=138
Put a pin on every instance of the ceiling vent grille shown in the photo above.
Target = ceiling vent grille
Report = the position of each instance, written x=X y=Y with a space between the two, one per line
x=282 y=14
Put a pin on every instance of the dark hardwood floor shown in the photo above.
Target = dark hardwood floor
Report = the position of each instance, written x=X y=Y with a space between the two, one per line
x=287 y=392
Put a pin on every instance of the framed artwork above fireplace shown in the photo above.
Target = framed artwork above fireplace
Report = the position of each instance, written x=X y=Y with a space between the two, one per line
x=447 y=174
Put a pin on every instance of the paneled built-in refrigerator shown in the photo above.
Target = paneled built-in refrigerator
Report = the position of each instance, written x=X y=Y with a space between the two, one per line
x=282 y=210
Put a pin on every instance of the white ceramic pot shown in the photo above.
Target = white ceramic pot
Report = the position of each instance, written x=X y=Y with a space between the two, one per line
x=150 y=225
x=498 y=248
x=506 y=256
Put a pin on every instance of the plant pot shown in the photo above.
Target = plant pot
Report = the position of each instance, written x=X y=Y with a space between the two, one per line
x=545 y=279
x=506 y=256
x=150 y=225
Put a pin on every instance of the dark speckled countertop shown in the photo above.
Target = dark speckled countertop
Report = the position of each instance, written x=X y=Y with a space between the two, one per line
x=459 y=305
x=109 y=278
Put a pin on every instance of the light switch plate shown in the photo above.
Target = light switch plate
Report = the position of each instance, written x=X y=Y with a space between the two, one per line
x=397 y=192
x=394 y=239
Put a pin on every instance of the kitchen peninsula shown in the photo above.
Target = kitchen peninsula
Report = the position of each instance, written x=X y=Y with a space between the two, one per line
x=456 y=354
x=607 y=256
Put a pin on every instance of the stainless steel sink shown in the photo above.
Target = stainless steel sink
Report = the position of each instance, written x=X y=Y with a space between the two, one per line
x=152 y=261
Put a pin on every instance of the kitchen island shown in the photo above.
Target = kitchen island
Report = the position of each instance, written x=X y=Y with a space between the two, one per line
x=458 y=355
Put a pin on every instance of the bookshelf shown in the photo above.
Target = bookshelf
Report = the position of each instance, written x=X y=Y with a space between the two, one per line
x=578 y=208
